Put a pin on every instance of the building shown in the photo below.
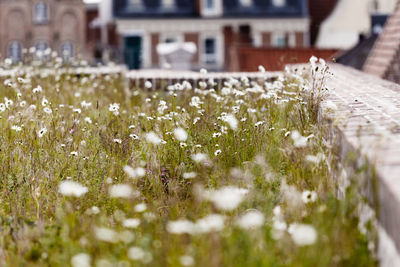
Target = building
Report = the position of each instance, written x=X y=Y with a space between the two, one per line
x=214 y=26
x=384 y=59
x=349 y=20
x=55 y=24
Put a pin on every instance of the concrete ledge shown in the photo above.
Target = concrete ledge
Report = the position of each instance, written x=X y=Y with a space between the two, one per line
x=368 y=121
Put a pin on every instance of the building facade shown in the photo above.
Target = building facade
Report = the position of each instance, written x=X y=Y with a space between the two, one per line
x=214 y=26
x=55 y=24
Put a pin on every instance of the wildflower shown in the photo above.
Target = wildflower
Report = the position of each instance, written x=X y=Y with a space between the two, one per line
x=203 y=71
x=212 y=222
x=215 y=135
x=81 y=260
x=85 y=104
x=106 y=234
x=180 y=134
x=302 y=234
x=259 y=123
x=189 y=175
x=88 y=120
x=186 y=260
x=226 y=198
x=199 y=157
x=134 y=173
x=45 y=102
x=42 y=132
x=315 y=159
x=136 y=253
x=298 y=139
x=74 y=153
x=8 y=102
x=180 y=227
x=232 y=121
x=47 y=110
x=251 y=219
x=77 y=110
x=217 y=152
x=141 y=207
x=38 y=89
x=2 y=107
x=134 y=136
x=182 y=144
x=70 y=188
x=121 y=191
x=131 y=223
x=261 y=68
x=118 y=141
x=148 y=85
x=16 y=128
x=309 y=196
x=153 y=138
x=114 y=108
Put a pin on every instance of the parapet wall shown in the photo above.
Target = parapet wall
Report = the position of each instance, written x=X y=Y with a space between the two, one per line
x=367 y=121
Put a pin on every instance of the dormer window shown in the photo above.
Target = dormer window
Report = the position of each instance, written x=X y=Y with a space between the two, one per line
x=136 y=4
x=210 y=4
x=246 y=3
x=168 y=3
x=41 y=13
x=279 y=3
x=211 y=8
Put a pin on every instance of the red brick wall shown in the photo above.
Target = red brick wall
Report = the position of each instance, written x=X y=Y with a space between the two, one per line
x=274 y=59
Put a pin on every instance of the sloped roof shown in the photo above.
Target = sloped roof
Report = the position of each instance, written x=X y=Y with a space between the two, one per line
x=386 y=47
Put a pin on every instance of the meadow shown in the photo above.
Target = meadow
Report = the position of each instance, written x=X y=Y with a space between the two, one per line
x=94 y=172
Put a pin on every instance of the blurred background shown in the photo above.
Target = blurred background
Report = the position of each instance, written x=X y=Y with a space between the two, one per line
x=220 y=35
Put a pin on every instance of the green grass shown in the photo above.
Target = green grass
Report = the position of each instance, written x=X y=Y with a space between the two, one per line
x=41 y=227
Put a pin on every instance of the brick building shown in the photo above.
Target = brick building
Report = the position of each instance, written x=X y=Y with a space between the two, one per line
x=214 y=26
x=384 y=59
x=55 y=24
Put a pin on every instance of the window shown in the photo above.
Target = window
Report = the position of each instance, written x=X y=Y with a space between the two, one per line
x=15 y=51
x=246 y=3
x=279 y=3
x=210 y=51
x=280 y=40
x=168 y=3
x=210 y=4
x=41 y=13
x=42 y=50
x=67 y=51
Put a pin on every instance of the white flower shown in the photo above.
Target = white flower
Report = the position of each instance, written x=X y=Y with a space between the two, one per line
x=134 y=136
x=2 y=107
x=309 y=196
x=141 y=207
x=42 y=132
x=186 y=260
x=134 y=173
x=180 y=134
x=180 y=227
x=106 y=234
x=118 y=141
x=226 y=198
x=298 y=139
x=232 y=121
x=16 y=128
x=74 y=153
x=189 y=175
x=251 y=219
x=38 y=89
x=259 y=123
x=47 y=110
x=81 y=260
x=45 y=102
x=212 y=222
x=217 y=152
x=303 y=234
x=131 y=223
x=153 y=138
x=70 y=188
x=261 y=68
x=199 y=157
x=88 y=120
x=77 y=110
x=148 y=85
x=136 y=253
x=121 y=191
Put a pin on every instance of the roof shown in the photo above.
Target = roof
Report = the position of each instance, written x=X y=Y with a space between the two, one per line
x=188 y=8
x=356 y=56
x=386 y=47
